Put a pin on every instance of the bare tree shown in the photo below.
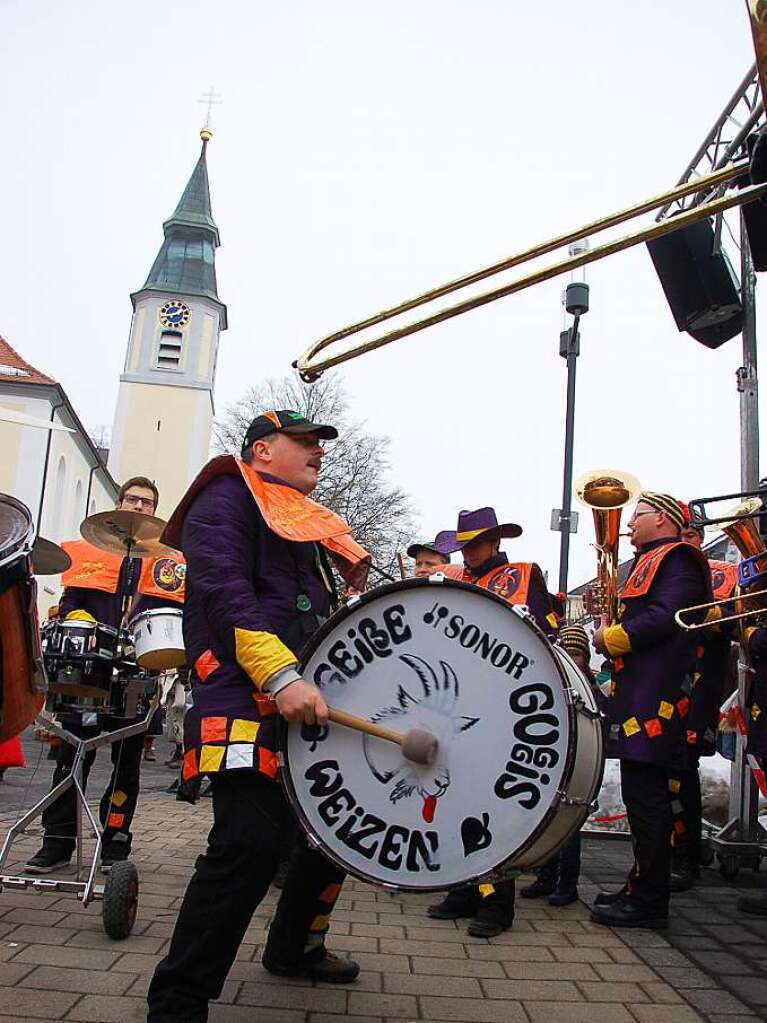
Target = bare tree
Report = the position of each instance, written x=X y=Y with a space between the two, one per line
x=355 y=479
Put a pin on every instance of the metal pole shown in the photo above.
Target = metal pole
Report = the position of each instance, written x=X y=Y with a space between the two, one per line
x=743 y=794
x=567 y=481
x=747 y=376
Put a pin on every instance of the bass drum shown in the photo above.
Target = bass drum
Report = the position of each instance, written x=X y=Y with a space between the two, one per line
x=22 y=675
x=519 y=760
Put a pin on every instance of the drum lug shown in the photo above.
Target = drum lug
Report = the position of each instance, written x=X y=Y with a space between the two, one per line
x=565 y=800
x=437 y=579
x=523 y=611
x=582 y=708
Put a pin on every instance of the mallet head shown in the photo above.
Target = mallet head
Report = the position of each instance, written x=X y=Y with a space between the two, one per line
x=419 y=746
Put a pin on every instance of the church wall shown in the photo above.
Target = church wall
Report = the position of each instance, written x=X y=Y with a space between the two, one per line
x=164 y=434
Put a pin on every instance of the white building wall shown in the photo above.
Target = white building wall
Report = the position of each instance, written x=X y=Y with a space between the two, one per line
x=22 y=466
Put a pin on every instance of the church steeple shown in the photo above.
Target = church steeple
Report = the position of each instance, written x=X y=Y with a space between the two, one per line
x=186 y=263
x=164 y=414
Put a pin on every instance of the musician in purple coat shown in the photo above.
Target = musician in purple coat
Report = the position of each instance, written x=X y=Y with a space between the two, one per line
x=653 y=666
x=258 y=585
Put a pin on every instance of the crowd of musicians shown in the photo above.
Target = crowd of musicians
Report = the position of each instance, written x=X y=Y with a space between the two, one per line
x=261 y=568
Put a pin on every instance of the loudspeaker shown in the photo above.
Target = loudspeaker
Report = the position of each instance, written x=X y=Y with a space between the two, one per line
x=699 y=284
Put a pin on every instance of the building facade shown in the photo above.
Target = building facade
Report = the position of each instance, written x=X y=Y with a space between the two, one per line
x=61 y=477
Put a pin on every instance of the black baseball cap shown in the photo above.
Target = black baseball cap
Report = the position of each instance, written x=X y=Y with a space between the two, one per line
x=424 y=545
x=285 y=421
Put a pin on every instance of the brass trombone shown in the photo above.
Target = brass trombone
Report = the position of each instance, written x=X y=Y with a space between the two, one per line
x=310 y=367
x=738 y=523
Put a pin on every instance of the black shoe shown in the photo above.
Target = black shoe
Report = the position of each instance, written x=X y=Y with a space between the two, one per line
x=755 y=905
x=455 y=905
x=538 y=889
x=116 y=852
x=330 y=969
x=683 y=879
x=628 y=913
x=282 y=874
x=490 y=920
x=47 y=860
x=609 y=898
x=563 y=897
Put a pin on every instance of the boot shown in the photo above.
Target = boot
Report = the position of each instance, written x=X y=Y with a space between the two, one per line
x=491 y=918
x=457 y=903
x=538 y=889
x=149 y=748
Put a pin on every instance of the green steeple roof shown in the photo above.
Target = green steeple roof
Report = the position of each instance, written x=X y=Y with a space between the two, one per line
x=185 y=264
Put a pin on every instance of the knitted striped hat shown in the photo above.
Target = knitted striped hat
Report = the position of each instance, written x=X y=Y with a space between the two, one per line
x=664 y=503
x=574 y=639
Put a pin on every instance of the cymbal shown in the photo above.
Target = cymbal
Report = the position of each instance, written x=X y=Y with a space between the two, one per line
x=48 y=558
x=125 y=532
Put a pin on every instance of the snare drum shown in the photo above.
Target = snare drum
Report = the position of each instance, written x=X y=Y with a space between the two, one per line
x=159 y=639
x=22 y=675
x=519 y=758
x=80 y=658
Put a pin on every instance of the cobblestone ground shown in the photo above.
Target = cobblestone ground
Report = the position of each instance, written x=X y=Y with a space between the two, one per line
x=555 y=965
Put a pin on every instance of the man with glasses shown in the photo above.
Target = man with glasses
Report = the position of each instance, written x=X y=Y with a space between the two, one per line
x=98 y=587
x=260 y=583
x=653 y=671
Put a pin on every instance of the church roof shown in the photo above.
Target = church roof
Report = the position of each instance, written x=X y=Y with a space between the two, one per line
x=13 y=367
x=185 y=264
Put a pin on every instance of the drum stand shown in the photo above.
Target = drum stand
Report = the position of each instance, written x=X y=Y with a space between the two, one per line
x=119 y=894
x=742 y=842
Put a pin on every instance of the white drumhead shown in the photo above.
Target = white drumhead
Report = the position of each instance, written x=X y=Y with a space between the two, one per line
x=463 y=665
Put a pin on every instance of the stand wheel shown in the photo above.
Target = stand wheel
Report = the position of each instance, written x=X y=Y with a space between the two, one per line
x=118 y=910
x=729 y=867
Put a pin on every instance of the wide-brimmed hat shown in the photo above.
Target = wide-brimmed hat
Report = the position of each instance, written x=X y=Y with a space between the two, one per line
x=472 y=524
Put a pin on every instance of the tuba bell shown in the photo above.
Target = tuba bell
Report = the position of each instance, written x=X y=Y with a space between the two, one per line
x=606 y=492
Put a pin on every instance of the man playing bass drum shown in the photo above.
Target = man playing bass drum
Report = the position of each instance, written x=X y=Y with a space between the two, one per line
x=653 y=667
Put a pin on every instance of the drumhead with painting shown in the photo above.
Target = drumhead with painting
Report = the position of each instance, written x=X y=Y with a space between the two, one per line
x=463 y=665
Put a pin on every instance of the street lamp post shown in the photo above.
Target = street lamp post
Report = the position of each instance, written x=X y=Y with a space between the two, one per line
x=577 y=304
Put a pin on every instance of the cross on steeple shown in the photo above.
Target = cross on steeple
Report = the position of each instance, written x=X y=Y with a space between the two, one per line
x=211 y=98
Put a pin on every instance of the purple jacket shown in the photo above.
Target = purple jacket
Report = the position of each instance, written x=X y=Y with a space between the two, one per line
x=240 y=576
x=653 y=682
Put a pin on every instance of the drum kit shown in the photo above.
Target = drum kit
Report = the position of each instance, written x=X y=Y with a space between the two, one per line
x=82 y=672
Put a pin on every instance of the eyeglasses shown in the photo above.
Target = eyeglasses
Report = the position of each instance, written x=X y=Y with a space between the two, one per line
x=636 y=515
x=136 y=499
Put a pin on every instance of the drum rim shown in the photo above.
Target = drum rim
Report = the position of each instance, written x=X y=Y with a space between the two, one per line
x=154 y=611
x=23 y=547
x=308 y=651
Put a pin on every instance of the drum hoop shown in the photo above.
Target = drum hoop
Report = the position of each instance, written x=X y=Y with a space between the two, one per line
x=308 y=651
x=22 y=549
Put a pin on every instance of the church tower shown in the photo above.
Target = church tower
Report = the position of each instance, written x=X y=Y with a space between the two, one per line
x=164 y=415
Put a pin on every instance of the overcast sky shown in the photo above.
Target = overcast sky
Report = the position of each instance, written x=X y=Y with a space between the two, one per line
x=364 y=153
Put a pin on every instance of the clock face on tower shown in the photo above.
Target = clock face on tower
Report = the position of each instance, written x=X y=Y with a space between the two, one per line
x=175 y=314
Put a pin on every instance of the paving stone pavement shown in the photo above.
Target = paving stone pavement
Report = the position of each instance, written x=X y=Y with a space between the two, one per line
x=554 y=966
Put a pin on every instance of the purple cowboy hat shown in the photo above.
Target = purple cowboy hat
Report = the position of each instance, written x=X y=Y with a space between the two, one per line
x=472 y=524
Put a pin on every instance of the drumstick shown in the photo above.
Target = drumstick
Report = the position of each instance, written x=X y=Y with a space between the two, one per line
x=419 y=746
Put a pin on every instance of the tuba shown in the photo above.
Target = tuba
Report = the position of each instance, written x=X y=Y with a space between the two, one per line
x=606 y=492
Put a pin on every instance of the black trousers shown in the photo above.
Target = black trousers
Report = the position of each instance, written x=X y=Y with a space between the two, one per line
x=645 y=792
x=563 y=870
x=118 y=803
x=252 y=822
x=687 y=811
